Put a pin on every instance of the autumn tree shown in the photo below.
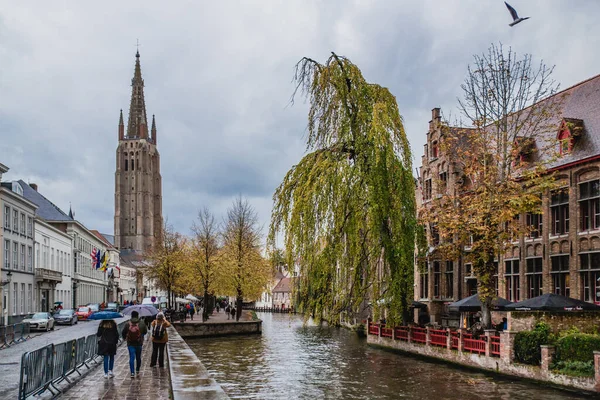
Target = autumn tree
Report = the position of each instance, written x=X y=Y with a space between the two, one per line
x=166 y=261
x=205 y=251
x=347 y=209
x=245 y=271
x=499 y=157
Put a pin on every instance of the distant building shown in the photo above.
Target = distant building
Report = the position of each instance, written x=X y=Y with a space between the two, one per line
x=16 y=239
x=282 y=293
x=562 y=253
x=266 y=299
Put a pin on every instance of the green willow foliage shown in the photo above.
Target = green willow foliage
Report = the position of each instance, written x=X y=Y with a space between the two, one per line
x=347 y=210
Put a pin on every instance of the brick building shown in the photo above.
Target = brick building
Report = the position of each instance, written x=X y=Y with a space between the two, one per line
x=562 y=253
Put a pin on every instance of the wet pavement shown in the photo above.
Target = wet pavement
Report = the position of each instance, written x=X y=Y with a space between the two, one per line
x=151 y=383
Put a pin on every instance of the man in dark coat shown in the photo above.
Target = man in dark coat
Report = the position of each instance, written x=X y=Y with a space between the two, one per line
x=107 y=344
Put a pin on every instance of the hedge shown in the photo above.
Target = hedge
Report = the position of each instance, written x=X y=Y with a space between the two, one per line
x=527 y=344
x=577 y=347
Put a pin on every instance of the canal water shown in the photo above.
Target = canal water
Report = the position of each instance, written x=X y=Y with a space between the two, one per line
x=291 y=360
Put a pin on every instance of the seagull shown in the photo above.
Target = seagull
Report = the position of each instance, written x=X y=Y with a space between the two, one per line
x=513 y=13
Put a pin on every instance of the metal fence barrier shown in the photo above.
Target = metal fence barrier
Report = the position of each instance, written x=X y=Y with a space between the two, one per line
x=12 y=334
x=44 y=368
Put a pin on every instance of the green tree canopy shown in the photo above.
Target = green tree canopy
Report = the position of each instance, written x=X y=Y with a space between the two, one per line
x=347 y=209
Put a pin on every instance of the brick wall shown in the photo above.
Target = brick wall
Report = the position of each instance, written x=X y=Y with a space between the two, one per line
x=587 y=322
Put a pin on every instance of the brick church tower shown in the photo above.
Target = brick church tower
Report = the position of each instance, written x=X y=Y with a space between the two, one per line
x=138 y=186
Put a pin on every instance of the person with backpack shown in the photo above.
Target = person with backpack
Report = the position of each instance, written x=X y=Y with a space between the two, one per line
x=107 y=344
x=134 y=332
x=192 y=311
x=160 y=337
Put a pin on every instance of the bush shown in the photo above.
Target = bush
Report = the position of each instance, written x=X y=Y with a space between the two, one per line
x=574 y=368
x=577 y=347
x=527 y=344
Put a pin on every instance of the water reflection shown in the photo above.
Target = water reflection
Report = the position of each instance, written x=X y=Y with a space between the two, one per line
x=293 y=361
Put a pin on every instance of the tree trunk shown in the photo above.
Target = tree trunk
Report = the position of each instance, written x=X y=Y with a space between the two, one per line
x=238 y=305
x=205 y=306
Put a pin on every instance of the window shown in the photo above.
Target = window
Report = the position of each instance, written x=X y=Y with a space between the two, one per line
x=7 y=254
x=132 y=164
x=590 y=277
x=589 y=205
x=434 y=150
x=15 y=296
x=23 y=298
x=427 y=190
x=468 y=269
x=29 y=258
x=437 y=278
x=559 y=208
x=29 y=298
x=560 y=275
x=566 y=142
x=511 y=274
x=126 y=165
x=30 y=226
x=443 y=182
x=7 y=217
x=534 y=277
x=449 y=279
x=52 y=258
x=23 y=257
x=22 y=224
x=435 y=235
x=534 y=223
x=424 y=283
x=496 y=281
x=15 y=258
x=15 y=227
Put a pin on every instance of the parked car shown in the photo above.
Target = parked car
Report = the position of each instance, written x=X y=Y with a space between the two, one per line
x=83 y=312
x=40 y=321
x=95 y=307
x=67 y=317
x=111 y=307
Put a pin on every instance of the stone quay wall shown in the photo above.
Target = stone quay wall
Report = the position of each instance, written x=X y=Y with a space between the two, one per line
x=189 y=378
x=427 y=343
x=585 y=321
x=198 y=330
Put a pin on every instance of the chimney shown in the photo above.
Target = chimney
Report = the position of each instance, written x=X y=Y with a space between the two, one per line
x=34 y=186
x=435 y=113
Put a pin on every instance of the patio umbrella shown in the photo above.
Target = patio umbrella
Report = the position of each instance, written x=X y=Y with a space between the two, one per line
x=105 y=315
x=143 y=310
x=551 y=302
x=418 y=304
x=192 y=298
x=183 y=301
x=472 y=303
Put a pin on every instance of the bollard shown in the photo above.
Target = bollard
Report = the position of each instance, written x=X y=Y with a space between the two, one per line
x=488 y=341
x=547 y=357
x=427 y=336
x=449 y=338
x=461 y=340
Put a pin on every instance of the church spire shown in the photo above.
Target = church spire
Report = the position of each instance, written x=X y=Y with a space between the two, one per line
x=137 y=126
x=153 y=130
x=121 y=127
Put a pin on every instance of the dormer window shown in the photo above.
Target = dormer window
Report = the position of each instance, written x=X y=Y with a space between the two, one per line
x=524 y=149
x=570 y=129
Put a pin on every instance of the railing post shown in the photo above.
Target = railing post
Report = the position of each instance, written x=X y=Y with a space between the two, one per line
x=547 y=357
x=368 y=327
x=394 y=333
x=449 y=338
x=427 y=336
x=488 y=345
x=409 y=334
x=507 y=343
x=597 y=371
x=461 y=340
x=379 y=329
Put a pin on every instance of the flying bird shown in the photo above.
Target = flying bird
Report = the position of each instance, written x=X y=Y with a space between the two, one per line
x=514 y=15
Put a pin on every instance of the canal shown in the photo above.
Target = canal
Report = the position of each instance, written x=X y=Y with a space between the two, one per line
x=293 y=361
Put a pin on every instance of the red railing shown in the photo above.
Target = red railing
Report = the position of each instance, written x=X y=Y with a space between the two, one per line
x=438 y=337
x=419 y=335
x=402 y=333
x=455 y=338
x=495 y=343
x=386 y=332
x=474 y=345
x=374 y=329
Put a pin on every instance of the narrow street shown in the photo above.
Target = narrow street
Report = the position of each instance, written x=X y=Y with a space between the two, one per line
x=10 y=358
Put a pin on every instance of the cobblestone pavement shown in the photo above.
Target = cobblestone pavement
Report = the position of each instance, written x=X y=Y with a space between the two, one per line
x=10 y=358
x=151 y=383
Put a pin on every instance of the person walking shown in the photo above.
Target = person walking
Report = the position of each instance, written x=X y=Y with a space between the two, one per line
x=228 y=311
x=134 y=332
x=232 y=312
x=160 y=337
x=107 y=344
x=192 y=311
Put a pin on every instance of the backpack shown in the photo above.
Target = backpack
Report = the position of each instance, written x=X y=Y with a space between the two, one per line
x=158 y=332
x=134 y=334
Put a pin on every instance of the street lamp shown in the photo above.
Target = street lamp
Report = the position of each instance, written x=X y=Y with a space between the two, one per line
x=7 y=297
x=8 y=279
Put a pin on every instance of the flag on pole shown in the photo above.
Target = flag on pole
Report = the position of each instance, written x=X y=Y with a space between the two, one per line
x=93 y=255
x=104 y=261
x=98 y=261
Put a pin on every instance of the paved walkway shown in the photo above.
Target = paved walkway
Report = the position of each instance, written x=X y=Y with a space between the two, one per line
x=218 y=317
x=150 y=384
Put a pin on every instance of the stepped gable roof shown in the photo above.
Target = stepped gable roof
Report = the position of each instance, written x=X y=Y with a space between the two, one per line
x=46 y=209
x=284 y=286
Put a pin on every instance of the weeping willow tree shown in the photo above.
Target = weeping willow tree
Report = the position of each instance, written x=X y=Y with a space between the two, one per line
x=347 y=209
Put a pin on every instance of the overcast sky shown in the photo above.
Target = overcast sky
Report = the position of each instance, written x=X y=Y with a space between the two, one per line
x=218 y=77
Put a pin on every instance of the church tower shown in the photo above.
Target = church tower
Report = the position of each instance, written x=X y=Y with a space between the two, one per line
x=138 y=186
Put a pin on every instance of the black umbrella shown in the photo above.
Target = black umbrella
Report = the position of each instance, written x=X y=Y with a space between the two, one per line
x=418 y=304
x=472 y=303
x=551 y=302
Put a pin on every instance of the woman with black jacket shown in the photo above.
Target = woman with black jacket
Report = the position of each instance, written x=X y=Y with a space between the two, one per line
x=107 y=345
